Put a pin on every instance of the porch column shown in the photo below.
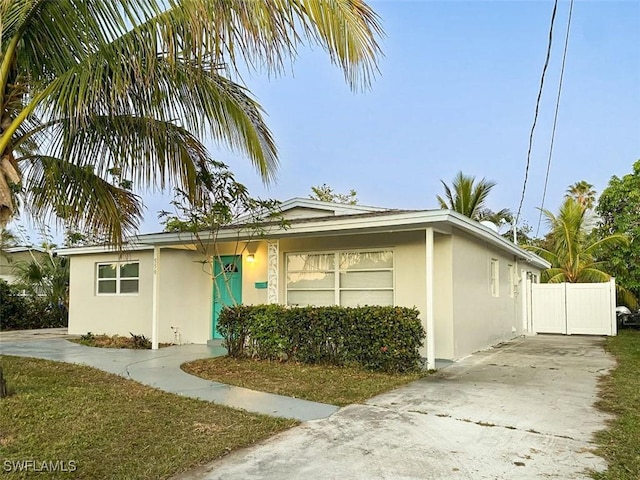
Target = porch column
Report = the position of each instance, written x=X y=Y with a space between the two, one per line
x=273 y=255
x=429 y=313
x=155 y=301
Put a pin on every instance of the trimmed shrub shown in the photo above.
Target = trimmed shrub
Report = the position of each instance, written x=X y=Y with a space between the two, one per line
x=376 y=338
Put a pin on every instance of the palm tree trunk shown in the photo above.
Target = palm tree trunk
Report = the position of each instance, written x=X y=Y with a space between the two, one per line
x=9 y=175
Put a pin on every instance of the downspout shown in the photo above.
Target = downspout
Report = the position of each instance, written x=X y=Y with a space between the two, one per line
x=429 y=314
x=155 y=301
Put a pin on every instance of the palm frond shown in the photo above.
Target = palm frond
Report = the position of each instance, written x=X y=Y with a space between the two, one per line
x=75 y=195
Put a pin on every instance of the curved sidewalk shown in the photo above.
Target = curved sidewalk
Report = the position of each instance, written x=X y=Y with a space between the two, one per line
x=161 y=369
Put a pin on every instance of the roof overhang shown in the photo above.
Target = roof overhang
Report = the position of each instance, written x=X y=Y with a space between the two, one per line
x=442 y=221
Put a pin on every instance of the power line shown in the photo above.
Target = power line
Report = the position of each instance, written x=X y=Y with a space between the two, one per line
x=535 y=116
x=555 y=117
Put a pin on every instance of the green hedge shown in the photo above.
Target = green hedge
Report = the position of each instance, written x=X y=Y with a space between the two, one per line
x=18 y=312
x=377 y=338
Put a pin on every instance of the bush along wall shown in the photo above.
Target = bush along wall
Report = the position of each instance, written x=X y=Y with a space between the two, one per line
x=19 y=312
x=377 y=338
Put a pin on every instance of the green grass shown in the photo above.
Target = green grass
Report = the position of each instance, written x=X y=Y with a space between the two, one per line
x=112 y=427
x=620 y=395
x=320 y=383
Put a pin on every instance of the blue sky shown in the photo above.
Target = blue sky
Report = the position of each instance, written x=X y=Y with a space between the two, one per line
x=456 y=91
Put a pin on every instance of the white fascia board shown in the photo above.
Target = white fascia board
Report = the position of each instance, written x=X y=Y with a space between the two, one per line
x=101 y=249
x=364 y=224
x=22 y=248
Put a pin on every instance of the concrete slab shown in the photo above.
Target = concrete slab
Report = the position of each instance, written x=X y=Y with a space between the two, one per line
x=523 y=410
x=161 y=369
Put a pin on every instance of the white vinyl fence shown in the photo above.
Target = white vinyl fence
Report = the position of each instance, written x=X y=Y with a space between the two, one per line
x=574 y=308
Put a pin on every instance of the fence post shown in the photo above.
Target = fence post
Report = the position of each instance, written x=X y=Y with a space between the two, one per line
x=612 y=296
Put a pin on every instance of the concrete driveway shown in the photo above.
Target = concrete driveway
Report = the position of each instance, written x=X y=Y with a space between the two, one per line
x=523 y=410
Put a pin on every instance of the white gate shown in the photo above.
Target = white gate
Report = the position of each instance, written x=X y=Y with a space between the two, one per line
x=574 y=308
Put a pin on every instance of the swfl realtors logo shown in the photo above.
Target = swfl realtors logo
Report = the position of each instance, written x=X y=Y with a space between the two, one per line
x=39 y=466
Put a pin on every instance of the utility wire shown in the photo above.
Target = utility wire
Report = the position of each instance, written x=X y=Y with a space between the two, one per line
x=535 y=116
x=555 y=117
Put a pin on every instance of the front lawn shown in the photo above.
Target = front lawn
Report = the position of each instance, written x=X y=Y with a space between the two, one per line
x=319 y=383
x=620 y=395
x=110 y=427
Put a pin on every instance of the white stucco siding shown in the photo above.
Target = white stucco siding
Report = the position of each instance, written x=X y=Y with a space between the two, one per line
x=443 y=296
x=184 y=297
x=110 y=314
x=481 y=319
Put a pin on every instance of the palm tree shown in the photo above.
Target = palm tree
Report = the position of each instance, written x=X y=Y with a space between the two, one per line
x=48 y=278
x=467 y=197
x=583 y=193
x=571 y=251
x=98 y=95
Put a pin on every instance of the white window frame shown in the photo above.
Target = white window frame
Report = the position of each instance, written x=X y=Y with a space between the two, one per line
x=117 y=279
x=337 y=289
x=494 y=277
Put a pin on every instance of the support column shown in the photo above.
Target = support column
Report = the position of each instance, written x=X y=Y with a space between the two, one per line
x=429 y=313
x=155 y=301
x=273 y=256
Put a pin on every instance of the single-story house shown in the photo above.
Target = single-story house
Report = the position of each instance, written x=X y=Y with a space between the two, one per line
x=12 y=256
x=465 y=279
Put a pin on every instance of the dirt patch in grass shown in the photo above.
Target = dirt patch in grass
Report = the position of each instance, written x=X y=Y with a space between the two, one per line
x=136 y=342
x=111 y=427
x=620 y=395
x=319 y=383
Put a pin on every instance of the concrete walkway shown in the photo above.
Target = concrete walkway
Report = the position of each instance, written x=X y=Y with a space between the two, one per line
x=160 y=369
x=521 y=411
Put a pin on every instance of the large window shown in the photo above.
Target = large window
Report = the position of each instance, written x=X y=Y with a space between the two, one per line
x=340 y=278
x=118 y=278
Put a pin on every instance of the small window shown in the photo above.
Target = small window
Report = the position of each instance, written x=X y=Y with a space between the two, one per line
x=118 y=278
x=512 y=281
x=495 y=277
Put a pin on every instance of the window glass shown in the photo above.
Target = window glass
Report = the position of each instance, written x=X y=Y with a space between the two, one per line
x=310 y=262
x=365 y=260
x=374 y=279
x=343 y=278
x=317 y=298
x=107 y=286
x=128 y=270
x=107 y=271
x=355 y=298
x=128 y=286
x=310 y=280
x=118 y=278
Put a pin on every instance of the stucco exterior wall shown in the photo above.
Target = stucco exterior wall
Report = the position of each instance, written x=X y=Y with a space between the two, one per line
x=111 y=314
x=479 y=318
x=443 y=295
x=184 y=296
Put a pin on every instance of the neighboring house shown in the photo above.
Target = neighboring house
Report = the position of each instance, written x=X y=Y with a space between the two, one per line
x=466 y=280
x=12 y=256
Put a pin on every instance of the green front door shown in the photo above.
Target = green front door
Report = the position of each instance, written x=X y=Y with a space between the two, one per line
x=227 y=286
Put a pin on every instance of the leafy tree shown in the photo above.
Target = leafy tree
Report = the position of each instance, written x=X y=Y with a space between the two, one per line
x=8 y=239
x=468 y=197
x=224 y=203
x=619 y=211
x=325 y=193
x=95 y=88
x=583 y=193
x=572 y=251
